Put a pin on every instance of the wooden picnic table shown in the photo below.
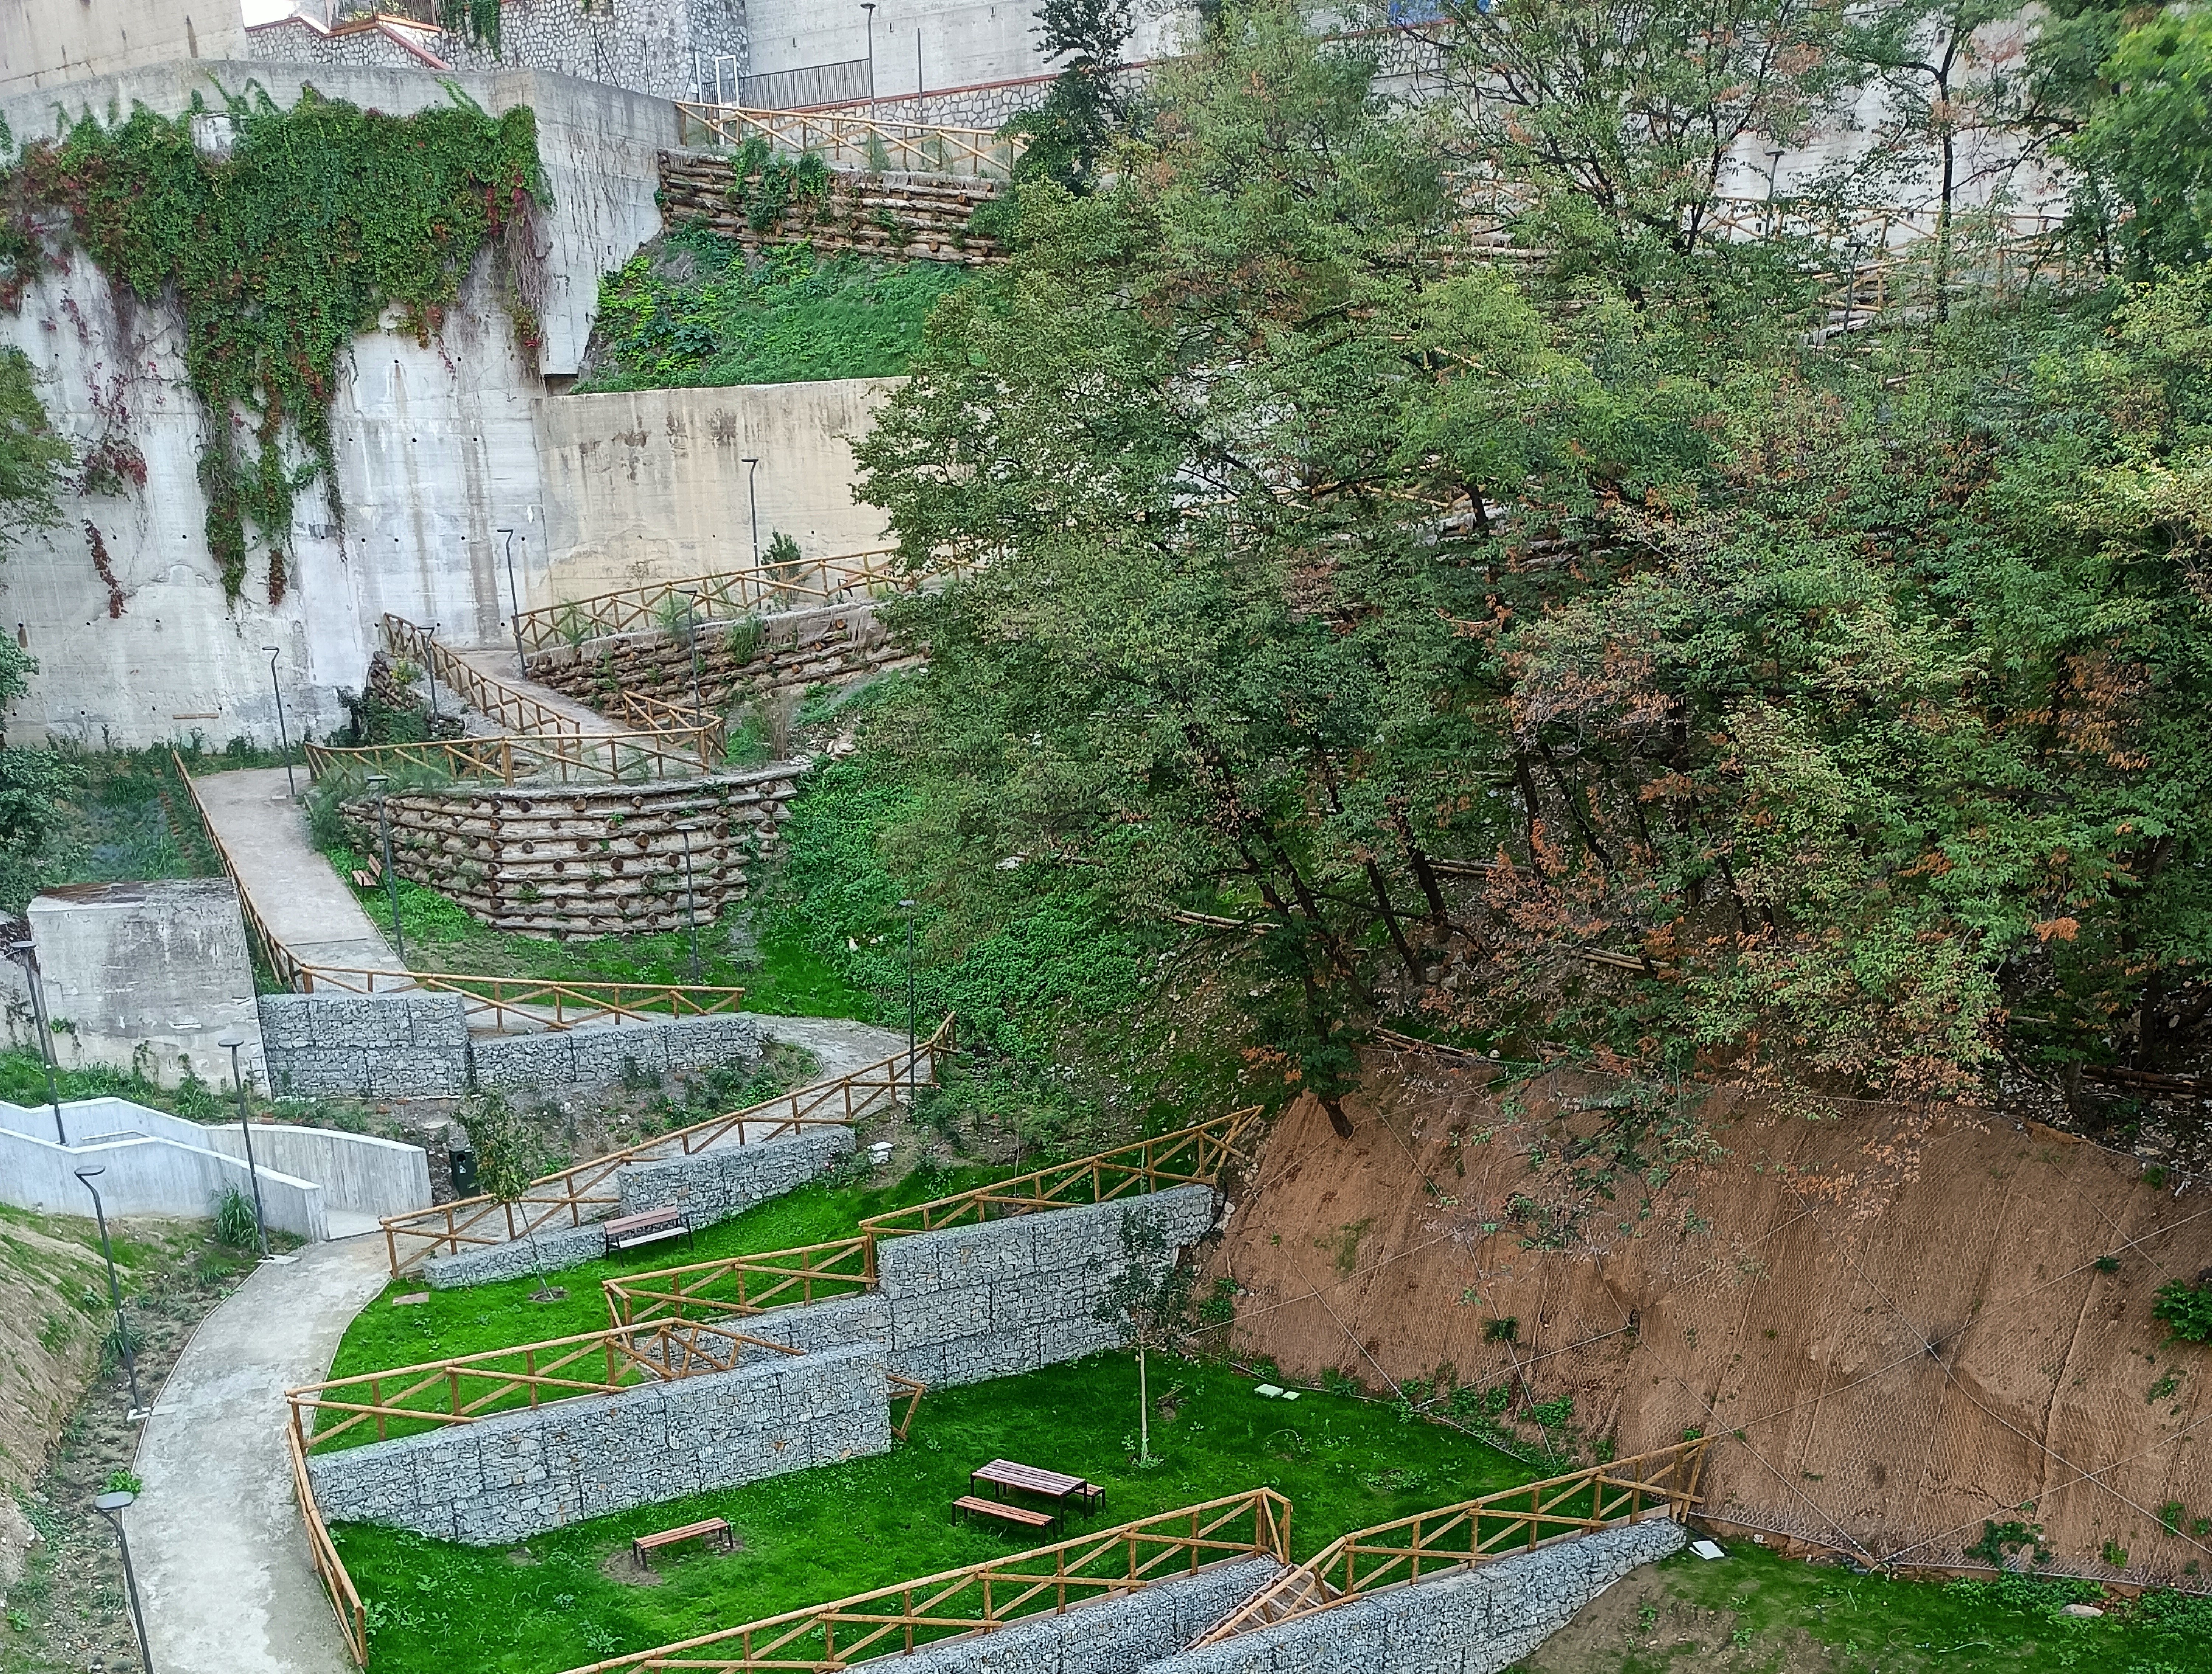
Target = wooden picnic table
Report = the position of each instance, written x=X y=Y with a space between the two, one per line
x=1055 y=1485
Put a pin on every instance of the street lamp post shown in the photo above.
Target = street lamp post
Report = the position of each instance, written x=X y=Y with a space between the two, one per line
x=869 y=7
x=27 y=956
x=283 y=739
x=114 y=1289
x=753 y=504
x=514 y=604
x=112 y=1506
x=233 y=1039
x=378 y=782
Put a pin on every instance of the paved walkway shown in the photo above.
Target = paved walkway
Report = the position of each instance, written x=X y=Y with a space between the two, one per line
x=842 y=1047
x=304 y=902
x=222 y=1558
x=497 y=662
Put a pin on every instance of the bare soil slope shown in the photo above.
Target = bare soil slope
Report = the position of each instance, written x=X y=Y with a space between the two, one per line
x=1895 y=1316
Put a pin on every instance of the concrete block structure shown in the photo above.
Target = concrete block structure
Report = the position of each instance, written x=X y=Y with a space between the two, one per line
x=148 y=974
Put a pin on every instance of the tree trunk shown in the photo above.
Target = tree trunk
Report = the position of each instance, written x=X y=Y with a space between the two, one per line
x=1337 y=1118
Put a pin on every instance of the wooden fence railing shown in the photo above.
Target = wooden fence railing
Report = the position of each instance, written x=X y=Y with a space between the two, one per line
x=1190 y=1156
x=844 y=141
x=323 y=1552
x=724 y=596
x=535 y=1002
x=588 y=1191
x=506 y=705
x=1518 y=1519
x=744 y=1285
x=464 y=1389
x=670 y=749
x=985 y=1596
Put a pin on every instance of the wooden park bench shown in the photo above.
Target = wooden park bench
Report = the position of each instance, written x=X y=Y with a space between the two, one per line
x=715 y=1528
x=627 y=1232
x=1023 y=1515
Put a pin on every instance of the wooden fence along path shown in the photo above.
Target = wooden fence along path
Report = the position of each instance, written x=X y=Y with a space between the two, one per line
x=726 y=596
x=483 y=694
x=467 y=1389
x=743 y=1285
x=1496 y=1526
x=572 y=1195
x=907 y=1615
x=329 y=1568
x=671 y=748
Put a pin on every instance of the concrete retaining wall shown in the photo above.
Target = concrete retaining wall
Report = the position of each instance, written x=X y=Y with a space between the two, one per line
x=143 y=1176
x=517 y=1474
x=969 y=1303
x=712 y=1186
x=1113 y=1635
x=1471 y=1621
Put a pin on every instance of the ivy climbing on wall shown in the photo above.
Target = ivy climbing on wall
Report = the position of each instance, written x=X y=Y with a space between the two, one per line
x=318 y=220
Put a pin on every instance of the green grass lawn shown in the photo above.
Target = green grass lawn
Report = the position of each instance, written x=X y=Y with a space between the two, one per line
x=500 y=1316
x=1755 y=1611
x=789 y=979
x=819 y=1534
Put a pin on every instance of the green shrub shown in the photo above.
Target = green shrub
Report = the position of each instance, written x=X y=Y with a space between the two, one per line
x=235 y=1222
x=2186 y=1308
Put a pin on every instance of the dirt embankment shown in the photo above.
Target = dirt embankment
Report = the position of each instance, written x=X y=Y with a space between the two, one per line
x=1903 y=1323
x=49 y=1343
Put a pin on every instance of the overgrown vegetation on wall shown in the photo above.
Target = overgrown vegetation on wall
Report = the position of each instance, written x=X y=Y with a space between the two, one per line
x=283 y=235
x=692 y=309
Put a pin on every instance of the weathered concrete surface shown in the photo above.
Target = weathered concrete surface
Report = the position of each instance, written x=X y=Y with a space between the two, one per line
x=1474 y=1621
x=149 y=975
x=51 y=43
x=222 y=1566
x=306 y=905
x=652 y=485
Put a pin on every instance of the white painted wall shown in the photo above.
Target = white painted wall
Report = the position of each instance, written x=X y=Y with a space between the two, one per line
x=652 y=485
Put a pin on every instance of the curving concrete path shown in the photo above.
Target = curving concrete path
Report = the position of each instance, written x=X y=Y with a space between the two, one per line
x=215 y=1538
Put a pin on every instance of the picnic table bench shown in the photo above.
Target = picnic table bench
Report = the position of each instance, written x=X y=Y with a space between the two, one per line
x=1056 y=1486
x=976 y=1507
x=644 y=1546
x=629 y=1231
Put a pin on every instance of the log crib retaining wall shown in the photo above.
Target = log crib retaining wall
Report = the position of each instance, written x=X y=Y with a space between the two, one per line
x=921 y=218
x=797 y=649
x=564 y=860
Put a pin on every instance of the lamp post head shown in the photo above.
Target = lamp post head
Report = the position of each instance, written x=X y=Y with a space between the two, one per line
x=114 y=1502
x=909 y=904
x=274 y=650
x=377 y=780
x=233 y=1039
x=89 y=1170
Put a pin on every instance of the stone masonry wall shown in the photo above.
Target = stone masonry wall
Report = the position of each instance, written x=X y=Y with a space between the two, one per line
x=711 y=1186
x=921 y=218
x=418 y=1046
x=797 y=649
x=373 y=1045
x=587 y=859
x=989 y=1300
x=1113 y=1635
x=1471 y=1621
x=517 y=1474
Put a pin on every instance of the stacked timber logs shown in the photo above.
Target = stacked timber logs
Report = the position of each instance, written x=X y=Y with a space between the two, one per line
x=833 y=646
x=922 y=217
x=565 y=861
